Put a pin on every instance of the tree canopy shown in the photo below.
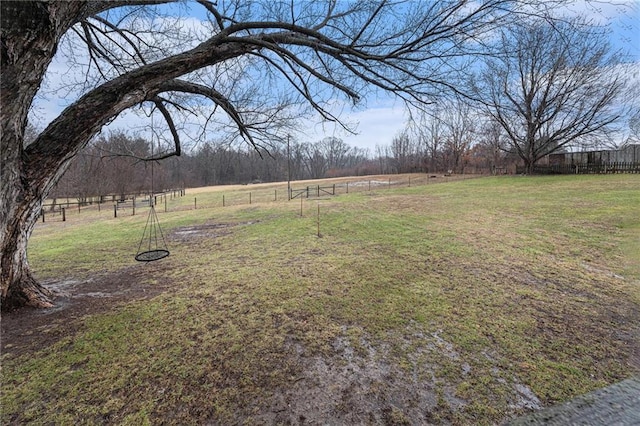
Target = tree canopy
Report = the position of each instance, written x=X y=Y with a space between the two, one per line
x=552 y=84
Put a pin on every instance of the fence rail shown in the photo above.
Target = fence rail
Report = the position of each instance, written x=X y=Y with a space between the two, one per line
x=58 y=210
x=313 y=191
x=174 y=201
x=60 y=202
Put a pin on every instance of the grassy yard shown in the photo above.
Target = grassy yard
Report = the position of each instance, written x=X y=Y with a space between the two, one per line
x=469 y=302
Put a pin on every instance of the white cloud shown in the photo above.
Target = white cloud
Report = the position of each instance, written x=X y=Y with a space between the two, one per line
x=376 y=125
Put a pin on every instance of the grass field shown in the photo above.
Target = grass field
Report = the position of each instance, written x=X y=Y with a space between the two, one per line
x=467 y=302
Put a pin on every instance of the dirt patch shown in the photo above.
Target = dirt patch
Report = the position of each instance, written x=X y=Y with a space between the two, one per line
x=361 y=382
x=208 y=230
x=29 y=330
x=358 y=381
x=26 y=330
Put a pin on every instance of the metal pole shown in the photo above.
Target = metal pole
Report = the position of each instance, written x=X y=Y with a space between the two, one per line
x=288 y=168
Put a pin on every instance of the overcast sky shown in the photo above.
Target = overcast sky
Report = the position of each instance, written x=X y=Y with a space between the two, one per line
x=380 y=118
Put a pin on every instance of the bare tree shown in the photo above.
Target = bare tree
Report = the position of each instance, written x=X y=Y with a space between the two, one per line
x=427 y=128
x=383 y=155
x=403 y=153
x=315 y=161
x=491 y=146
x=336 y=152
x=443 y=133
x=551 y=85
x=295 y=164
x=632 y=133
x=253 y=61
x=458 y=125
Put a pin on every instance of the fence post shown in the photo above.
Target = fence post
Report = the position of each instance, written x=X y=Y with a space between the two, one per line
x=195 y=203
x=347 y=187
x=133 y=210
x=318 y=191
x=389 y=182
x=249 y=197
x=222 y=200
x=115 y=210
x=275 y=195
x=78 y=206
x=42 y=212
x=369 y=186
x=64 y=216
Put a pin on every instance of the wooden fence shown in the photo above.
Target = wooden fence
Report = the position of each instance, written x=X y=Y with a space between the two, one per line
x=60 y=208
x=584 y=168
x=172 y=201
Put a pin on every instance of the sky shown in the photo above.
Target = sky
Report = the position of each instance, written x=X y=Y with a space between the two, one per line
x=383 y=117
x=386 y=118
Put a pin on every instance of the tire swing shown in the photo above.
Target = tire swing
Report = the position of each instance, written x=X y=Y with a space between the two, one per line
x=152 y=246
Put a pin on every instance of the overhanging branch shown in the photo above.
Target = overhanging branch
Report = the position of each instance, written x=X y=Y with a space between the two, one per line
x=216 y=97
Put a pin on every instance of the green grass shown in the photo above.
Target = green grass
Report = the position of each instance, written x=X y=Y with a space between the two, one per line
x=473 y=286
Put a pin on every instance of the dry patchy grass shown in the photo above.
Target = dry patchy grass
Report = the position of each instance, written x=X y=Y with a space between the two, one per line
x=465 y=303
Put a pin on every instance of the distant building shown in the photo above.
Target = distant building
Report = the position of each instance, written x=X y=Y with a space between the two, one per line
x=623 y=160
x=628 y=154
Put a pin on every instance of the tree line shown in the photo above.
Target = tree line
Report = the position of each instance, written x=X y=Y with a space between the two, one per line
x=113 y=163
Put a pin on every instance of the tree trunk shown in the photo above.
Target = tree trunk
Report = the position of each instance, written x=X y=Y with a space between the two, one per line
x=19 y=287
x=30 y=34
x=529 y=166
